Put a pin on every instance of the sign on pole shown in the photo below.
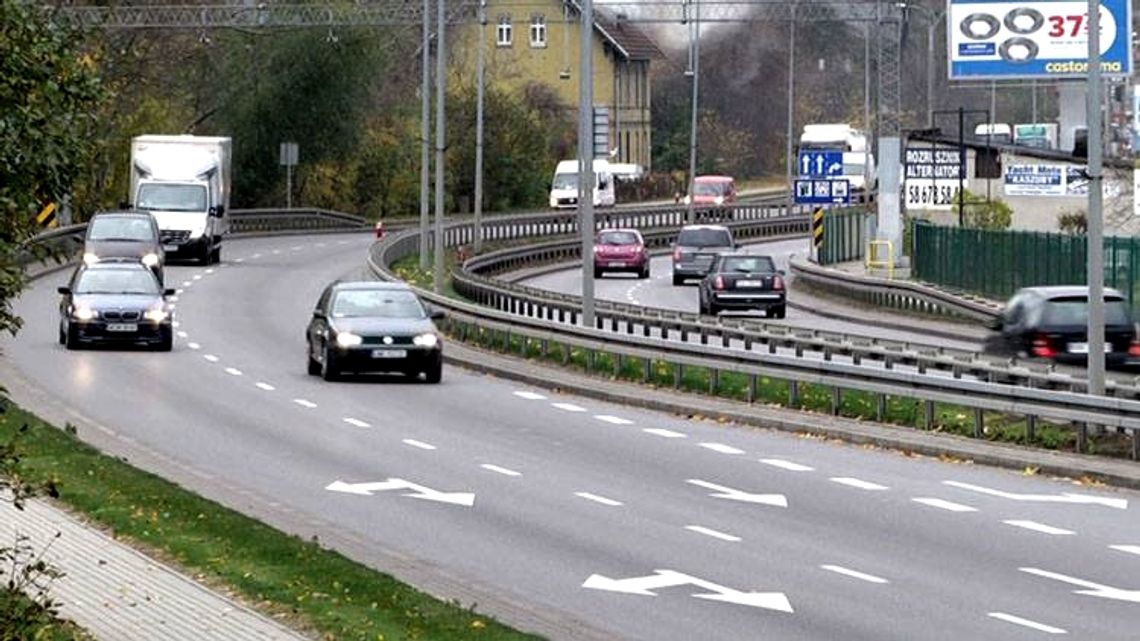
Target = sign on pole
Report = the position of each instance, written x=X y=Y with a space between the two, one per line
x=289 y=156
x=931 y=176
x=820 y=163
x=995 y=39
x=822 y=191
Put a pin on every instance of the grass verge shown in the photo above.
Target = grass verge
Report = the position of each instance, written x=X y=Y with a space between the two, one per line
x=312 y=588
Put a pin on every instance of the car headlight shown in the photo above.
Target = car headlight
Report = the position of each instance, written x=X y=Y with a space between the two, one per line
x=348 y=339
x=687 y=199
x=156 y=314
x=90 y=258
x=719 y=200
x=197 y=232
x=426 y=340
x=150 y=260
x=84 y=313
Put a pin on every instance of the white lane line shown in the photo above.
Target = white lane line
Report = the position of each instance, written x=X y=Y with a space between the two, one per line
x=713 y=533
x=239 y=260
x=197 y=277
x=186 y=283
x=210 y=270
x=179 y=291
x=860 y=484
x=256 y=256
x=265 y=386
x=172 y=306
x=598 y=499
x=233 y=371
x=613 y=420
x=1038 y=527
x=1130 y=549
x=500 y=470
x=786 y=465
x=569 y=407
x=1040 y=627
x=182 y=335
x=211 y=358
x=193 y=346
x=945 y=505
x=420 y=444
x=530 y=396
x=658 y=431
x=869 y=578
x=173 y=299
x=296 y=248
x=303 y=403
x=355 y=422
x=722 y=448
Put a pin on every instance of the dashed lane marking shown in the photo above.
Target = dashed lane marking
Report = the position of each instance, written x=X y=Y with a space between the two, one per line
x=211 y=358
x=356 y=422
x=1041 y=627
x=500 y=470
x=182 y=335
x=713 y=533
x=869 y=578
x=786 y=465
x=233 y=371
x=265 y=386
x=613 y=420
x=420 y=444
x=530 y=396
x=722 y=448
x=1130 y=549
x=193 y=346
x=304 y=403
x=662 y=432
x=1039 y=527
x=858 y=483
x=598 y=499
x=569 y=407
x=945 y=505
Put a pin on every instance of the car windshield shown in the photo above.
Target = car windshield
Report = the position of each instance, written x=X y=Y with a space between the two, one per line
x=119 y=228
x=117 y=281
x=704 y=238
x=618 y=238
x=710 y=188
x=162 y=197
x=1074 y=310
x=376 y=303
x=747 y=264
x=565 y=181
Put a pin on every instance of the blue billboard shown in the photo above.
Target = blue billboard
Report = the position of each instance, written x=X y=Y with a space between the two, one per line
x=1039 y=39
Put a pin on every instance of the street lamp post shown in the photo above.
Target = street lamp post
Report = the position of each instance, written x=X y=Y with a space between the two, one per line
x=479 y=80
x=695 y=52
x=932 y=20
x=788 y=163
x=425 y=133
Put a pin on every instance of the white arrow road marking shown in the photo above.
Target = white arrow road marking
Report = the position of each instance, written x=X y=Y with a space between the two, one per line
x=713 y=533
x=722 y=492
x=356 y=422
x=722 y=448
x=1094 y=589
x=569 y=407
x=303 y=403
x=265 y=386
x=211 y=358
x=1038 y=527
x=1067 y=497
x=786 y=465
x=1131 y=549
x=500 y=470
x=870 y=578
x=657 y=431
x=597 y=499
x=1041 y=627
x=613 y=420
x=530 y=396
x=420 y=444
x=644 y=585
x=417 y=491
x=945 y=505
x=860 y=484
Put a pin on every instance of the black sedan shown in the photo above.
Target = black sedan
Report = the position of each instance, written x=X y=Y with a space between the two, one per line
x=119 y=303
x=743 y=282
x=373 y=326
x=1052 y=323
x=124 y=236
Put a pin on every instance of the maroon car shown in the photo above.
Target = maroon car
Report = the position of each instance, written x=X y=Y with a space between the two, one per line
x=620 y=250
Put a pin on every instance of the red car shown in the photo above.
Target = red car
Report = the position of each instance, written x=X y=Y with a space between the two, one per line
x=620 y=250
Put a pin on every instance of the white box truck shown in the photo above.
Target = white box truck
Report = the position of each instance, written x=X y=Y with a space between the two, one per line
x=184 y=181
x=564 y=186
x=858 y=162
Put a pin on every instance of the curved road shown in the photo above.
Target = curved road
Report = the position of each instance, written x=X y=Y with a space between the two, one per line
x=582 y=511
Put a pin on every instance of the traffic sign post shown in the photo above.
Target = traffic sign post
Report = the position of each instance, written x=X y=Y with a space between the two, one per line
x=817 y=230
x=822 y=191
x=820 y=163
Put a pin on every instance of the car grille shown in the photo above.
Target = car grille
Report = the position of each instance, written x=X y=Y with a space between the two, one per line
x=174 y=236
x=379 y=340
x=121 y=315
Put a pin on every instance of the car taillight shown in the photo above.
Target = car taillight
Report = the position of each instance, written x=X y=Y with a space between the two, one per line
x=1042 y=348
x=777 y=283
x=1134 y=348
x=718 y=282
x=677 y=254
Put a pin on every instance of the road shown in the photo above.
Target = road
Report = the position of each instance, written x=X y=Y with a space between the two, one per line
x=575 y=518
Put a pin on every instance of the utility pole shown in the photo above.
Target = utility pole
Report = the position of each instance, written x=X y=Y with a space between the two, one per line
x=695 y=53
x=788 y=162
x=586 y=160
x=479 y=81
x=440 y=140
x=1096 y=213
x=425 y=133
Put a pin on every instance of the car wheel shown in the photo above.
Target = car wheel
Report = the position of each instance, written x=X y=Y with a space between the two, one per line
x=598 y=272
x=216 y=256
x=644 y=273
x=314 y=366
x=329 y=370
x=62 y=334
x=434 y=373
x=677 y=280
x=205 y=255
x=72 y=339
x=780 y=312
x=166 y=342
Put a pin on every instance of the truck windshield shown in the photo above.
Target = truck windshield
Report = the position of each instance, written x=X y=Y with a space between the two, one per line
x=171 y=197
x=565 y=181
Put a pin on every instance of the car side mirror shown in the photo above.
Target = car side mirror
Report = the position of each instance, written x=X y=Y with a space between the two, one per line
x=318 y=313
x=438 y=314
x=63 y=289
x=169 y=291
x=781 y=272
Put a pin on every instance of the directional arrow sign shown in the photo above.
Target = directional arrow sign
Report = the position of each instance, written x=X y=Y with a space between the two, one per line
x=417 y=491
x=1094 y=589
x=644 y=586
x=722 y=492
x=1067 y=497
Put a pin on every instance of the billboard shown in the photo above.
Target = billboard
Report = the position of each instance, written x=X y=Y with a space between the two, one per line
x=991 y=39
x=931 y=176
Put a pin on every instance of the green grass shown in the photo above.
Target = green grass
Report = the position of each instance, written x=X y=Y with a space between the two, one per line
x=314 y=588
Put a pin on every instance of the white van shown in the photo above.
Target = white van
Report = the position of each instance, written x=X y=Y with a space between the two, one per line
x=997 y=133
x=564 y=187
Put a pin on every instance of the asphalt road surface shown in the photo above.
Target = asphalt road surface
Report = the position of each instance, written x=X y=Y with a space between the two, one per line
x=575 y=518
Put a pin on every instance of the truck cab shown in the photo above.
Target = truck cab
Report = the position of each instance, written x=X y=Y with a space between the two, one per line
x=564 y=185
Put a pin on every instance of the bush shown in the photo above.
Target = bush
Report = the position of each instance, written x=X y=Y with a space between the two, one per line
x=991 y=214
x=1073 y=222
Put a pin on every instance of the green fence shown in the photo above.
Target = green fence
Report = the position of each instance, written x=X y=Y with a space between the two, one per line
x=997 y=263
x=844 y=236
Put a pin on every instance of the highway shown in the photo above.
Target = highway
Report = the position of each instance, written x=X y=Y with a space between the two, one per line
x=575 y=518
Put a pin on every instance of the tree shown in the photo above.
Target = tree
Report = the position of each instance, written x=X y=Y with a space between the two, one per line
x=50 y=93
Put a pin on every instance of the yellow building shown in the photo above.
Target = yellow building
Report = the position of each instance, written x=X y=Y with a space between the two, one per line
x=538 y=41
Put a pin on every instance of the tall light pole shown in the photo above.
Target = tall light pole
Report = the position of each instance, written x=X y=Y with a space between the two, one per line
x=479 y=81
x=440 y=140
x=1095 y=215
x=933 y=18
x=695 y=64
x=788 y=162
x=586 y=159
x=425 y=133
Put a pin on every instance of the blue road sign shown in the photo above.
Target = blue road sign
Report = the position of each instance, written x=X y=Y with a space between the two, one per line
x=819 y=163
x=823 y=192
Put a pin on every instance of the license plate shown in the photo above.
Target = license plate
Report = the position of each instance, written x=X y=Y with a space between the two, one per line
x=1083 y=348
x=616 y=263
x=389 y=353
x=122 y=327
x=749 y=283
x=170 y=248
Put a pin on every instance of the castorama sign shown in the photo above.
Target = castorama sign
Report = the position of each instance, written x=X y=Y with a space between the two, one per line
x=1041 y=39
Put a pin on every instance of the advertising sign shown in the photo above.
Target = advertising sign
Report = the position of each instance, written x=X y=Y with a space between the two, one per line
x=930 y=177
x=1045 y=180
x=1035 y=39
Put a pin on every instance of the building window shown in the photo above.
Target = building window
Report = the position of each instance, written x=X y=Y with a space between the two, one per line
x=503 y=32
x=538 y=31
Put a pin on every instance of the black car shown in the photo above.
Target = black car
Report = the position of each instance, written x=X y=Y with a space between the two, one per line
x=743 y=282
x=1052 y=323
x=373 y=326
x=121 y=303
x=124 y=235
x=696 y=247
